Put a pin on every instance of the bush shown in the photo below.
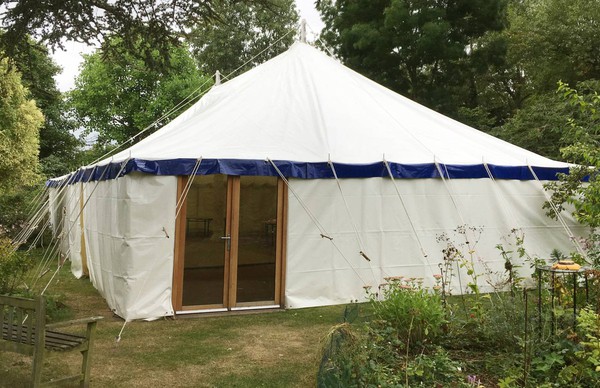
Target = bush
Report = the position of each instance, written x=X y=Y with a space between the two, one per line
x=13 y=266
x=374 y=359
x=14 y=208
x=395 y=347
x=415 y=313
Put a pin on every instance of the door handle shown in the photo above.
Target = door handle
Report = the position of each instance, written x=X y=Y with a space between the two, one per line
x=228 y=238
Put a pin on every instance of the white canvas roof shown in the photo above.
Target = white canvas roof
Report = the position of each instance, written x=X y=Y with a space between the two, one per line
x=303 y=109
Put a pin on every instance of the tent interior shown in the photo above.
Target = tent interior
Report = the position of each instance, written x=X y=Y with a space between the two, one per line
x=300 y=183
x=206 y=228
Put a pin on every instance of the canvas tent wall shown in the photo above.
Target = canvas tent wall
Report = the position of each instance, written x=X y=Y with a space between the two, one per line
x=337 y=137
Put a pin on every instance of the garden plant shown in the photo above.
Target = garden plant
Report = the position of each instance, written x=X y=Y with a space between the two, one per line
x=413 y=336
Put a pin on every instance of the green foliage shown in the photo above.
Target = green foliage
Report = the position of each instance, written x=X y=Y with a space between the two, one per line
x=435 y=368
x=13 y=266
x=58 y=146
x=339 y=356
x=56 y=310
x=584 y=131
x=395 y=347
x=20 y=121
x=14 y=210
x=550 y=41
x=147 y=27
x=588 y=325
x=591 y=245
x=245 y=36
x=418 y=338
x=374 y=359
x=546 y=42
x=415 y=313
x=422 y=49
x=538 y=126
x=562 y=362
x=119 y=97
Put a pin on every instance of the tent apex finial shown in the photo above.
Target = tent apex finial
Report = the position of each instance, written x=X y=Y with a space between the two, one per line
x=303 y=31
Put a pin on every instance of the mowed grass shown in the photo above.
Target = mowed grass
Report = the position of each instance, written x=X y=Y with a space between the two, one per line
x=269 y=349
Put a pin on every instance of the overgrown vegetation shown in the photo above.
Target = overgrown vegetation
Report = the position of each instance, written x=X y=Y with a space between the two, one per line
x=509 y=337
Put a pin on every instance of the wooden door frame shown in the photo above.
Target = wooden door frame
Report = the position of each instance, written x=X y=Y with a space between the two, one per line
x=231 y=256
x=233 y=217
x=179 y=251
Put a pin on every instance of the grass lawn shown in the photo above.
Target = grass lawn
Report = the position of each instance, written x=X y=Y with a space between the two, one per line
x=272 y=349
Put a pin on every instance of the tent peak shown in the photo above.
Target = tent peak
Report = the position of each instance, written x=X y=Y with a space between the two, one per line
x=303 y=31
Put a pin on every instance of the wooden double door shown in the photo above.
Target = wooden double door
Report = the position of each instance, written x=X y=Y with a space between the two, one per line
x=229 y=251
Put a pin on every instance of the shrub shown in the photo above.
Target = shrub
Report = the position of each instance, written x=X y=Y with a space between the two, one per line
x=375 y=359
x=13 y=266
x=415 y=313
x=14 y=209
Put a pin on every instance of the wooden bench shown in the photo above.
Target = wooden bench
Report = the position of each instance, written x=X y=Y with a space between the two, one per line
x=24 y=331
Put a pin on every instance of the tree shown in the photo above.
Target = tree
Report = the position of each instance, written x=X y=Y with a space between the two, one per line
x=547 y=41
x=145 y=26
x=118 y=97
x=58 y=145
x=246 y=36
x=419 y=48
x=582 y=129
x=551 y=40
x=20 y=121
x=499 y=85
x=538 y=126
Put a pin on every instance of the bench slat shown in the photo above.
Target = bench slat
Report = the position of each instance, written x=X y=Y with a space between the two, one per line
x=54 y=340
x=61 y=341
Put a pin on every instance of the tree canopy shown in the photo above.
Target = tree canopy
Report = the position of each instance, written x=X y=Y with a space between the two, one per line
x=547 y=41
x=118 y=98
x=246 y=34
x=58 y=145
x=20 y=121
x=422 y=49
x=146 y=27
x=552 y=41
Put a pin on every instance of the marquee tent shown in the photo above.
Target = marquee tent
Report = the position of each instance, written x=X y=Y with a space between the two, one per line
x=297 y=184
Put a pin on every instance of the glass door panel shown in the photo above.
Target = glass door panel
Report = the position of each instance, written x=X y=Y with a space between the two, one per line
x=256 y=240
x=204 y=271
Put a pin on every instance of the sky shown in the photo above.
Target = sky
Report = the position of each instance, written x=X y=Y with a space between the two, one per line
x=70 y=58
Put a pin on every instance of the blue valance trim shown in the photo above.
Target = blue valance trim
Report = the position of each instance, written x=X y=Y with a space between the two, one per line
x=304 y=170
